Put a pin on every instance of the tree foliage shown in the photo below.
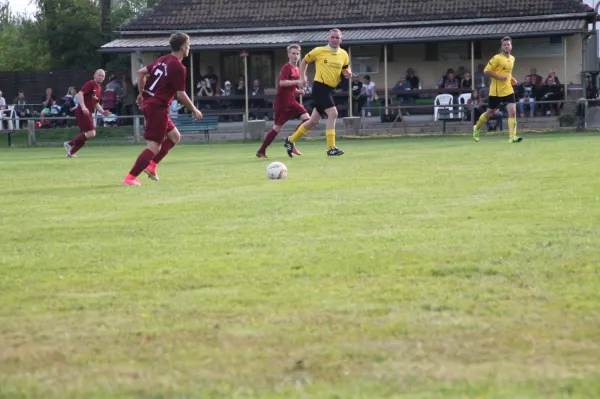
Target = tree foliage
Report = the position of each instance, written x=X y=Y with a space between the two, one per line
x=63 y=34
x=20 y=47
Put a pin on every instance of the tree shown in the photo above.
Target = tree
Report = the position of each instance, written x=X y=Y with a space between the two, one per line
x=20 y=47
x=73 y=32
x=64 y=34
x=120 y=13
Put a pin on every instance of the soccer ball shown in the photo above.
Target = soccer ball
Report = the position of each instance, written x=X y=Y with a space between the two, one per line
x=277 y=170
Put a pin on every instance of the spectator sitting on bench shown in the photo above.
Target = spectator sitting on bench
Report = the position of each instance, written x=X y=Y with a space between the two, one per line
x=452 y=82
x=48 y=101
x=226 y=92
x=404 y=85
x=203 y=91
x=552 y=75
x=552 y=92
x=444 y=78
x=526 y=93
x=359 y=94
x=413 y=79
x=371 y=93
x=466 y=81
x=2 y=108
x=536 y=79
x=20 y=109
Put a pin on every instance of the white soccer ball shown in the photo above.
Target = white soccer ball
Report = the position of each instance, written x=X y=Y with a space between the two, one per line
x=277 y=170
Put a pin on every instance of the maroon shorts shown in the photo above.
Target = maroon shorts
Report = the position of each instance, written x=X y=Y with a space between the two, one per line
x=285 y=112
x=84 y=123
x=158 y=123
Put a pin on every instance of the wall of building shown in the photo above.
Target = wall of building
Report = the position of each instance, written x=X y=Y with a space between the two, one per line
x=403 y=56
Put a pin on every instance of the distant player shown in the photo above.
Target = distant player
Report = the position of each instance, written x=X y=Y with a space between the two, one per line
x=88 y=98
x=166 y=78
x=330 y=62
x=286 y=106
x=501 y=90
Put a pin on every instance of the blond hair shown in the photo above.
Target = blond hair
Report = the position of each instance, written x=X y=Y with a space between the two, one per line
x=293 y=47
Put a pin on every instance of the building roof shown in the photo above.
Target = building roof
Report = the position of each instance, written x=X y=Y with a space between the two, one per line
x=358 y=36
x=222 y=15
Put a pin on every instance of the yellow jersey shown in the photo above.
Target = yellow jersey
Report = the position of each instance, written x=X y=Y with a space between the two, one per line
x=329 y=64
x=503 y=66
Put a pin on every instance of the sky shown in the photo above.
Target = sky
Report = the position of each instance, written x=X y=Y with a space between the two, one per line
x=21 y=6
x=24 y=6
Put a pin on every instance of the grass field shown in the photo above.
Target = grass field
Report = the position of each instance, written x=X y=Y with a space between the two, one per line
x=408 y=268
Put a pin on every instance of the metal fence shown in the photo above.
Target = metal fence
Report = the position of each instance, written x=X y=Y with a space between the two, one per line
x=392 y=120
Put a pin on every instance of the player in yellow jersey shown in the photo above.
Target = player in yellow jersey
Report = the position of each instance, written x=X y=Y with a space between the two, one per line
x=330 y=62
x=501 y=90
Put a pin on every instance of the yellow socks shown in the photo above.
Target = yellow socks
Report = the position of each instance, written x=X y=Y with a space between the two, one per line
x=512 y=127
x=482 y=120
x=298 y=134
x=330 y=134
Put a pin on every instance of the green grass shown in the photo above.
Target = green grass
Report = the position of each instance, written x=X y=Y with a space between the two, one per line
x=408 y=268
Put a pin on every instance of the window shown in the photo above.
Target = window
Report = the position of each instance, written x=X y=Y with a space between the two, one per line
x=451 y=51
x=534 y=47
x=260 y=66
x=365 y=63
x=365 y=59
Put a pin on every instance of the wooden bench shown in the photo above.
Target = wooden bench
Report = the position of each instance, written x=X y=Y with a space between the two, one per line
x=186 y=123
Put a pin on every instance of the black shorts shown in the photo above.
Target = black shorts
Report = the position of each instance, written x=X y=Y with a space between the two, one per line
x=494 y=102
x=322 y=97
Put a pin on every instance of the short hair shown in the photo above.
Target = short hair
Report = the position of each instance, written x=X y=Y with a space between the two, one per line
x=335 y=30
x=177 y=40
x=367 y=77
x=293 y=47
x=506 y=39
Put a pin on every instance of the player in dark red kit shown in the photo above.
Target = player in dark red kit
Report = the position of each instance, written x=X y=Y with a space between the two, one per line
x=88 y=98
x=286 y=106
x=166 y=78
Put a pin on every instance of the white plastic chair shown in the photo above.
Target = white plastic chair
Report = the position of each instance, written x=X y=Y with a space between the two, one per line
x=439 y=102
x=8 y=114
x=463 y=99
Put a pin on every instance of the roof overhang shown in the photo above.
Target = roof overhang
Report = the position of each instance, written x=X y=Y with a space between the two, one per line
x=588 y=16
x=362 y=36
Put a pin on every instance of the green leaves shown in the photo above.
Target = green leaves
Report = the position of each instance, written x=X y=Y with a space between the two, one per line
x=63 y=34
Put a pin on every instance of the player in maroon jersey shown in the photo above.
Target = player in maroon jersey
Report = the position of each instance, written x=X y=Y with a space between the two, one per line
x=88 y=98
x=286 y=106
x=166 y=78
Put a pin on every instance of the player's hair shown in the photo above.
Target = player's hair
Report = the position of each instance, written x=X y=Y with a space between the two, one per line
x=335 y=30
x=293 y=47
x=177 y=40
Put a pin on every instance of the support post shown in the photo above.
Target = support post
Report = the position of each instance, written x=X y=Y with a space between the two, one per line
x=350 y=106
x=472 y=65
x=565 y=61
x=385 y=78
x=192 y=76
x=246 y=112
